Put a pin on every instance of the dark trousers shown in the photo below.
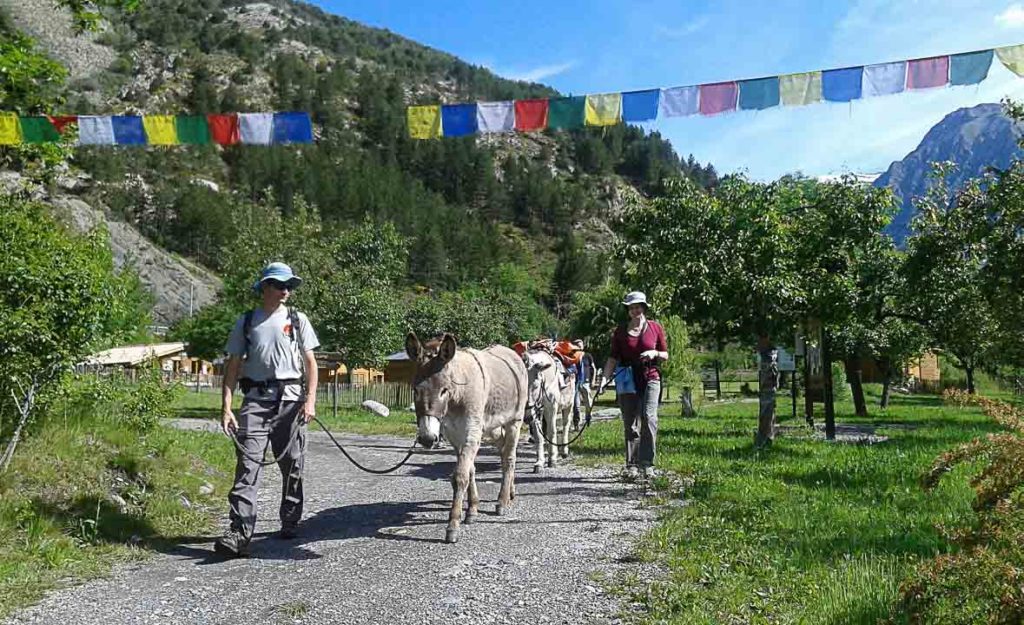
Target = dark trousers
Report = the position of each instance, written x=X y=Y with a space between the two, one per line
x=259 y=422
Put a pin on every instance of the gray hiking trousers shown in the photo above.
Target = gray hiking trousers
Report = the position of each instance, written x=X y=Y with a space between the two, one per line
x=640 y=421
x=259 y=421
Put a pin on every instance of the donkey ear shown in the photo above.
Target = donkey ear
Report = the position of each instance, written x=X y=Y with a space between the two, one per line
x=448 y=347
x=413 y=346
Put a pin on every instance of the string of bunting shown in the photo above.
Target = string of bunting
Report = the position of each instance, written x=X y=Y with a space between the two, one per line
x=139 y=130
x=605 y=109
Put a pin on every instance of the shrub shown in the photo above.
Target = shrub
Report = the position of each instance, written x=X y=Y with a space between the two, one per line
x=984 y=582
x=151 y=400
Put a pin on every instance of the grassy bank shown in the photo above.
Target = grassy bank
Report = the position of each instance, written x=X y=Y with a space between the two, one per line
x=81 y=497
x=805 y=532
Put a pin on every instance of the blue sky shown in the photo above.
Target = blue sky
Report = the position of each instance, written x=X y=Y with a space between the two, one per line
x=619 y=45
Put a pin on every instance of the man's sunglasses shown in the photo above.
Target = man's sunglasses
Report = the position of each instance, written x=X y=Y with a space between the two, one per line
x=277 y=284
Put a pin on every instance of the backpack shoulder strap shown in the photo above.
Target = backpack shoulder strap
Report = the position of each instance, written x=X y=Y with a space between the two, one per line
x=246 y=328
x=296 y=336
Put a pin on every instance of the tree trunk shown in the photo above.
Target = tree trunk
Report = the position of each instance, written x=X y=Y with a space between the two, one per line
x=25 y=406
x=970 y=379
x=883 y=366
x=768 y=382
x=830 y=406
x=854 y=375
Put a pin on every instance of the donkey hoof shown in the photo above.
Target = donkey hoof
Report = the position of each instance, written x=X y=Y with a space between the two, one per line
x=537 y=468
x=499 y=510
x=470 y=517
x=551 y=464
x=451 y=536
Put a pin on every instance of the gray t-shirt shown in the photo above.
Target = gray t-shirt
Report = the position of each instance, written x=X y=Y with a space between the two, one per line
x=273 y=355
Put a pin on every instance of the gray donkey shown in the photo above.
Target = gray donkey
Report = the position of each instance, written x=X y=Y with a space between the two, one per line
x=470 y=396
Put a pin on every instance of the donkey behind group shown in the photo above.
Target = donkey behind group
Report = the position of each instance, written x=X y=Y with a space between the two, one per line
x=551 y=398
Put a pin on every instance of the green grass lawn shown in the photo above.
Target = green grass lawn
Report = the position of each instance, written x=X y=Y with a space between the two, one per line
x=81 y=497
x=804 y=532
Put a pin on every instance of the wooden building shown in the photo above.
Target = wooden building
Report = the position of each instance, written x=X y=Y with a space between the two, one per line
x=400 y=368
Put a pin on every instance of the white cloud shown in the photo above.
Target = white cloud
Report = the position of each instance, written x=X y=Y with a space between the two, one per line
x=537 y=73
x=687 y=29
x=1012 y=17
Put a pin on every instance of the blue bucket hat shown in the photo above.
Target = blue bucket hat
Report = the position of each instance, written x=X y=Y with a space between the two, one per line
x=280 y=272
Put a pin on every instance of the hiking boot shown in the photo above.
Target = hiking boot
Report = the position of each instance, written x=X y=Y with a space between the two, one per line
x=289 y=531
x=632 y=472
x=649 y=473
x=234 y=544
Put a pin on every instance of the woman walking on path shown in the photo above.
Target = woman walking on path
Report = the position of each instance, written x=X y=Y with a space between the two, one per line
x=638 y=348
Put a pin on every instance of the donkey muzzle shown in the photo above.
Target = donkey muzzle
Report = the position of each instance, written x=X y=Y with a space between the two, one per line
x=429 y=431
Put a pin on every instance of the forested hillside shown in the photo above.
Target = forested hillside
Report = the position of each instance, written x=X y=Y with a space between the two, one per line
x=526 y=212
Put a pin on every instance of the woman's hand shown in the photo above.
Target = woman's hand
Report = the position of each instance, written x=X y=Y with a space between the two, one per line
x=651 y=354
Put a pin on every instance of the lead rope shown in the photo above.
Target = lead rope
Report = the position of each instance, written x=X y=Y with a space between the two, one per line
x=297 y=423
x=295 y=429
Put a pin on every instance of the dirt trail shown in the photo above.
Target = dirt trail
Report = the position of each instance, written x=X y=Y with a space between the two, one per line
x=372 y=551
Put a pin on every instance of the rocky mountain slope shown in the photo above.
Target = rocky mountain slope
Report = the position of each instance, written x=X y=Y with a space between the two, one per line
x=515 y=198
x=178 y=285
x=975 y=139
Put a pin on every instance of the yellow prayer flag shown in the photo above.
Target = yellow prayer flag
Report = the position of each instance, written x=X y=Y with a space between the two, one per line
x=1013 y=58
x=800 y=89
x=10 y=129
x=160 y=129
x=424 y=122
x=604 y=109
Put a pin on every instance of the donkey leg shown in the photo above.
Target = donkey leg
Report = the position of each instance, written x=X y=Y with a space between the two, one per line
x=508 y=469
x=474 y=496
x=563 y=448
x=460 y=482
x=551 y=418
x=537 y=434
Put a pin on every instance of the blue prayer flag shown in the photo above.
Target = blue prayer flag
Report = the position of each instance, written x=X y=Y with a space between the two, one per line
x=970 y=68
x=458 y=120
x=759 y=94
x=292 y=128
x=640 y=106
x=128 y=130
x=842 y=85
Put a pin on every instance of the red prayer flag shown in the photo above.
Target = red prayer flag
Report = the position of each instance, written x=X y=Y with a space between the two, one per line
x=531 y=114
x=718 y=97
x=926 y=73
x=60 y=122
x=223 y=128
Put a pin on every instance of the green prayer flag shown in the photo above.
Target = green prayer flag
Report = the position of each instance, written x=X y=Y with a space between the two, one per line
x=192 y=129
x=38 y=130
x=566 y=112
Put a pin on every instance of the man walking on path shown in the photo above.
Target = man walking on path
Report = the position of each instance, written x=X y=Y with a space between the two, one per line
x=273 y=345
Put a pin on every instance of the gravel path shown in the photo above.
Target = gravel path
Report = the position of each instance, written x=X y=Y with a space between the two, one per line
x=372 y=551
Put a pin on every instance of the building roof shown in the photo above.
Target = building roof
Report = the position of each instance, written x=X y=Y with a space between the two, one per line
x=131 y=355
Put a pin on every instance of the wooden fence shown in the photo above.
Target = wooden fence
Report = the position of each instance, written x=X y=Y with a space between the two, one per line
x=396 y=395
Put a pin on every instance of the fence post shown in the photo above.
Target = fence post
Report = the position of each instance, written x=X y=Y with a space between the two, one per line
x=334 y=395
x=718 y=382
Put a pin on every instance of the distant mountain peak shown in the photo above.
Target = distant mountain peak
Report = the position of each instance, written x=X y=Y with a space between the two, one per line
x=975 y=139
